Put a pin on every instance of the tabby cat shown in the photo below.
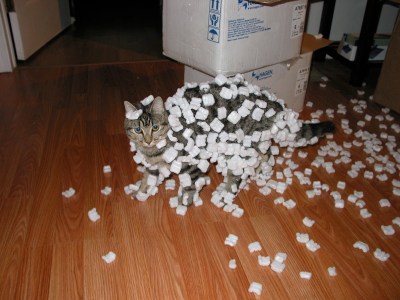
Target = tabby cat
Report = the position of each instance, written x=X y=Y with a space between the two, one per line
x=228 y=122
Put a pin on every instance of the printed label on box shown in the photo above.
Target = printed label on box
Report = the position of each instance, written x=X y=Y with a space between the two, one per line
x=302 y=81
x=214 y=20
x=239 y=29
x=298 y=20
x=262 y=74
x=248 y=5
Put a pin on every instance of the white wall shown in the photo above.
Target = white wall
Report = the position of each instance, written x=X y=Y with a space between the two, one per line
x=348 y=17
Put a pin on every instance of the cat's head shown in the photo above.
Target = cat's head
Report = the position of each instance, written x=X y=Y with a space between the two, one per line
x=150 y=127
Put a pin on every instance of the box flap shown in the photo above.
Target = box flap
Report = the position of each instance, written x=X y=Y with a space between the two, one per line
x=311 y=43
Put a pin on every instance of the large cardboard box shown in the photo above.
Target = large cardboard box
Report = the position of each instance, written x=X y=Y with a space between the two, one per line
x=287 y=80
x=349 y=44
x=231 y=36
x=387 y=92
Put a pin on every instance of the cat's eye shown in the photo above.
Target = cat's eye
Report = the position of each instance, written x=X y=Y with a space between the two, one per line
x=156 y=127
x=137 y=130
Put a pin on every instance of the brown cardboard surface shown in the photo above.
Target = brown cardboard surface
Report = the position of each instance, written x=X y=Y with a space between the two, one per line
x=387 y=92
x=310 y=43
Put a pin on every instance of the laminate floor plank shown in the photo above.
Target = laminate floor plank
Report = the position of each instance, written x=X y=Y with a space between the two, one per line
x=61 y=125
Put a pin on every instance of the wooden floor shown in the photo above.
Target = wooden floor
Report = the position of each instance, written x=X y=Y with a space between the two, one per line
x=61 y=125
x=61 y=121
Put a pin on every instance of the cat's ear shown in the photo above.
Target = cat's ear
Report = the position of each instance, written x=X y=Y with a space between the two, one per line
x=157 y=107
x=129 y=107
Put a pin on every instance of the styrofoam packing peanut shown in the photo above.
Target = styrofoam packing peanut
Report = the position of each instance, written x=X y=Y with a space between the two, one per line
x=171 y=137
x=106 y=191
x=305 y=275
x=312 y=246
x=220 y=79
x=362 y=246
x=226 y=93
x=148 y=100
x=68 y=193
x=133 y=115
x=217 y=125
x=231 y=240
x=279 y=200
x=201 y=114
x=396 y=221
x=107 y=169
x=141 y=196
x=332 y=271
x=232 y=264
x=229 y=208
x=302 y=237
x=381 y=255
x=365 y=214
x=256 y=288
x=257 y=114
x=173 y=202
x=389 y=118
x=181 y=210
x=352 y=173
x=242 y=90
x=310 y=194
x=384 y=203
x=289 y=204
x=280 y=257
x=234 y=117
x=388 y=230
x=302 y=154
x=238 y=212
x=208 y=99
x=221 y=111
x=152 y=180
x=195 y=103
x=339 y=203
x=309 y=104
x=109 y=257
x=185 y=180
x=265 y=191
x=360 y=203
x=277 y=267
x=170 y=154
x=264 y=261
x=254 y=247
x=308 y=222
x=93 y=215
x=336 y=195
x=170 y=184
x=352 y=198
x=270 y=112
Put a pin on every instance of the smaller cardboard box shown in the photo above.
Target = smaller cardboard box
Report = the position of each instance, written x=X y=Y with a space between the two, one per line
x=232 y=36
x=349 y=44
x=387 y=91
x=287 y=80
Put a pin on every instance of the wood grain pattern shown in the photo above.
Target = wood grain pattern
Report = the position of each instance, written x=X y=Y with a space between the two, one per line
x=61 y=125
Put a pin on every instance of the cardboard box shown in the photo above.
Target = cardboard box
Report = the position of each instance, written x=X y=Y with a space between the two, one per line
x=348 y=46
x=387 y=91
x=232 y=36
x=287 y=80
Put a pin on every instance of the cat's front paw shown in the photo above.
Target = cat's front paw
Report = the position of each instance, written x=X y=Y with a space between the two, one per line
x=186 y=198
x=139 y=191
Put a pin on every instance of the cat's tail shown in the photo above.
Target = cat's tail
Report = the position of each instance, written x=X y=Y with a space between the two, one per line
x=317 y=130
